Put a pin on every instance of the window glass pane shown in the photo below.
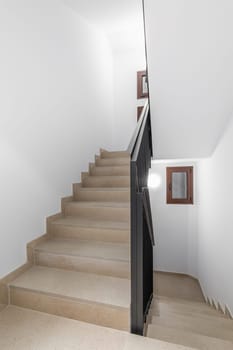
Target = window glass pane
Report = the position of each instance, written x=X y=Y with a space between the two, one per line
x=179 y=185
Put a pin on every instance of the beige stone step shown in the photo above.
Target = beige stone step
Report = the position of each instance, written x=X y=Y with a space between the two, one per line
x=215 y=321
x=122 y=170
x=111 y=259
x=82 y=296
x=102 y=194
x=173 y=302
x=86 y=229
x=201 y=326
x=106 y=181
x=186 y=338
x=114 y=154
x=111 y=211
x=24 y=329
x=162 y=308
x=185 y=308
x=112 y=161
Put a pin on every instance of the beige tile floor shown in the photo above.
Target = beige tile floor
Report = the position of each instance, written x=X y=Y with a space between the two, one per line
x=22 y=329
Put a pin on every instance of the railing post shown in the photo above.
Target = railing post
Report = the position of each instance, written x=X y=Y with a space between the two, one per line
x=137 y=270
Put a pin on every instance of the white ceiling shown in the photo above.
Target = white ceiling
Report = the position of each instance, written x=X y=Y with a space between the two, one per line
x=121 y=20
x=190 y=57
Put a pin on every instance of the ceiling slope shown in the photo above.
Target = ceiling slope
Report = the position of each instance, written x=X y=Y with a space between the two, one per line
x=190 y=64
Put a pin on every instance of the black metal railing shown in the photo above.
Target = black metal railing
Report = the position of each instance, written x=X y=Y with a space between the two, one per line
x=142 y=235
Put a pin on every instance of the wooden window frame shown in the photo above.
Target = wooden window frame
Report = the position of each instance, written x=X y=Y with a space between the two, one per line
x=140 y=75
x=189 y=171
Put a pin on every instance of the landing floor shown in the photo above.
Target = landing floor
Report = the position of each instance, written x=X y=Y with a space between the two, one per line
x=22 y=329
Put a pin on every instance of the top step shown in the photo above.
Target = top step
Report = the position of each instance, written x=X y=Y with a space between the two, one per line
x=117 y=154
x=112 y=161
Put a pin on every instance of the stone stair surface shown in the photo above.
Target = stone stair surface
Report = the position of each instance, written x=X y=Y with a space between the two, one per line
x=189 y=323
x=81 y=270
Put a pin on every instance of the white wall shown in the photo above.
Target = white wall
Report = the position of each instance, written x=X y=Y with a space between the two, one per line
x=56 y=111
x=175 y=225
x=190 y=56
x=126 y=65
x=216 y=222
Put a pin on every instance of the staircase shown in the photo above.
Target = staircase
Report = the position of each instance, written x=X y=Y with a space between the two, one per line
x=190 y=323
x=81 y=268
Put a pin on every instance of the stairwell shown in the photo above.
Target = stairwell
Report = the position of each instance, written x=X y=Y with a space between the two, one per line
x=81 y=268
x=187 y=320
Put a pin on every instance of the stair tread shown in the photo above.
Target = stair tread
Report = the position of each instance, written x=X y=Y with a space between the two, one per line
x=112 y=161
x=94 y=288
x=115 y=154
x=101 y=224
x=187 y=338
x=180 y=301
x=192 y=306
x=201 y=312
x=208 y=320
x=115 y=166
x=101 y=250
x=199 y=326
x=104 y=189
x=95 y=204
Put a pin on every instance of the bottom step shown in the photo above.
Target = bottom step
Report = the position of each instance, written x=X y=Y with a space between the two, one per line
x=185 y=338
x=82 y=296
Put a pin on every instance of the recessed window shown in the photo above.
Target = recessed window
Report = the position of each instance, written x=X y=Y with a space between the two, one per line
x=180 y=185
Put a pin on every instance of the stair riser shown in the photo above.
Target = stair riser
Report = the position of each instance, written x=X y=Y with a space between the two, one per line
x=102 y=196
x=112 y=161
x=107 y=213
x=100 y=314
x=110 y=171
x=98 y=181
x=83 y=264
x=84 y=233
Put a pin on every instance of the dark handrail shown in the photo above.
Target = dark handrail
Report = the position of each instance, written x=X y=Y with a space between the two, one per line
x=134 y=138
x=146 y=203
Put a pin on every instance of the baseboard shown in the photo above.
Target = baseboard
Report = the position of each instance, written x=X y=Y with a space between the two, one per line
x=4 y=291
x=31 y=245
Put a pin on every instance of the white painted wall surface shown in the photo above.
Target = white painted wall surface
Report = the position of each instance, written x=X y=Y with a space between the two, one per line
x=190 y=56
x=215 y=242
x=126 y=65
x=56 y=111
x=175 y=225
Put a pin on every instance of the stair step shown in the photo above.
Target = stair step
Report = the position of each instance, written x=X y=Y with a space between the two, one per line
x=110 y=170
x=102 y=194
x=186 y=338
x=162 y=309
x=201 y=326
x=109 y=259
x=180 y=302
x=115 y=154
x=86 y=229
x=112 y=161
x=112 y=211
x=82 y=296
x=187 y=308
x=106 y=181
x=214 y=321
